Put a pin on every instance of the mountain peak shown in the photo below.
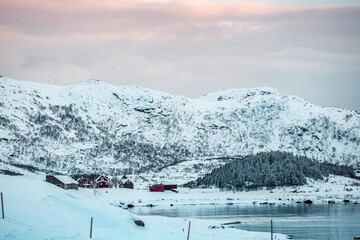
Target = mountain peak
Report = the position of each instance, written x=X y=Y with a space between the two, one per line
x=95 y=81
x=238 y=94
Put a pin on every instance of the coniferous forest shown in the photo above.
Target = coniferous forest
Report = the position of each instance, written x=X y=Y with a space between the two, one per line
x=270 y=169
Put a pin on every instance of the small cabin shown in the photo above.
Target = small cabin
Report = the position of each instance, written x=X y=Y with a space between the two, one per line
x=157 y=188
x=126 y=183
x=170 y=187
x=102 y=182
x=84 y=183
x=62 y=181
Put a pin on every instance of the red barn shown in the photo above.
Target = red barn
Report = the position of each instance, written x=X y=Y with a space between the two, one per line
x=102 y=182
x=84 y=183
x=156 y=188
x=125 y=183
x=170 y=187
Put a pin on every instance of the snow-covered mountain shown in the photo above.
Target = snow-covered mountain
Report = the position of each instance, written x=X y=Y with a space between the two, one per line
x=98 y=127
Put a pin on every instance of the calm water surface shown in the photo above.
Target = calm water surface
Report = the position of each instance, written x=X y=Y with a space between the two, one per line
x=304 y=221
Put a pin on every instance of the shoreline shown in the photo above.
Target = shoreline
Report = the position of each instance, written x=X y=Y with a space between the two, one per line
x=335 y=190
x=244 y=204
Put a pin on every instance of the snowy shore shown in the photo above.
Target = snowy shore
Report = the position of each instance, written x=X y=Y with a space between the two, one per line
x=35 y=209
x=334 y=189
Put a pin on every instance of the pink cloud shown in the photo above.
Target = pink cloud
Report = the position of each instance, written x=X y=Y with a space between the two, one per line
x=44 y=17
x=172 y=45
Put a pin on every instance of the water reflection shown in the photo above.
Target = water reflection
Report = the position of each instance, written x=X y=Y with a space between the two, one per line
x=314 y=221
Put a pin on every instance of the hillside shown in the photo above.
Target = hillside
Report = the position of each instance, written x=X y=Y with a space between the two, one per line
x=271 y=169
x=98 y=127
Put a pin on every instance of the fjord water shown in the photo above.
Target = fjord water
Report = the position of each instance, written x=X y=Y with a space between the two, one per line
x=304 y=221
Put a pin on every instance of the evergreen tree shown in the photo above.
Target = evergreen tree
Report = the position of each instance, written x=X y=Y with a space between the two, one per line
x=270 y=169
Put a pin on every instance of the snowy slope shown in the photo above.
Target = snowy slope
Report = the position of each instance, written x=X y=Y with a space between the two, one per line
x=98 y=127
x=35 y=209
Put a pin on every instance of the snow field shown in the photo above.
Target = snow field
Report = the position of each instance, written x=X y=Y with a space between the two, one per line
x=35 y=209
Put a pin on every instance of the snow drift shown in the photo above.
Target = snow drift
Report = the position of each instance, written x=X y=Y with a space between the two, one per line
x=35 y=209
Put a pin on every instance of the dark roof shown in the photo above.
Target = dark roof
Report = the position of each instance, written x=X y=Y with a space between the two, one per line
x=157 y=185
x=65 y=179
x=106 y=178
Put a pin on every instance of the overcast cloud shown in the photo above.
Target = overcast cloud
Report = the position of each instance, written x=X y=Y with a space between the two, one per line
x=188 y=47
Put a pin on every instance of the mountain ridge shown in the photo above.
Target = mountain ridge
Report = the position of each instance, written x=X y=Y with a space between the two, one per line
x=97 y=127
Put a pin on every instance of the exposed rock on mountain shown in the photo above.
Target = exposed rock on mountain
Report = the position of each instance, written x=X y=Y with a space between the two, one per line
x=98 y=127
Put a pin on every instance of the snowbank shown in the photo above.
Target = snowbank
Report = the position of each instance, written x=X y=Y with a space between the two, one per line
x=35 y=209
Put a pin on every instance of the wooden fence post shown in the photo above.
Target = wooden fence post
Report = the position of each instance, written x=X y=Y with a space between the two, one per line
x=2 y=206
x=91 y=227
x=271 y=229
x=188 y=236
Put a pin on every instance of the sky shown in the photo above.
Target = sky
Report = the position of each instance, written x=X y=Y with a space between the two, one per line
x=308 y=48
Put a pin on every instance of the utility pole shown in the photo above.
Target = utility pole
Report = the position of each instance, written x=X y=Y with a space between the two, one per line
x=91 y=227
x=2 y=206
x=188 y=236
x=271 y=229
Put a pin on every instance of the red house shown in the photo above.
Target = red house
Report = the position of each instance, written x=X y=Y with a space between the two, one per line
x=84 y=183
x=126 y=183
x=170 y=187
x=102 y=182
x=156 y=188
